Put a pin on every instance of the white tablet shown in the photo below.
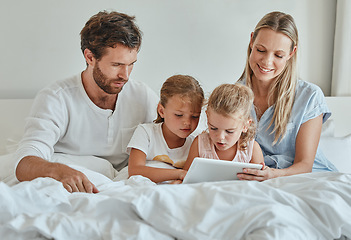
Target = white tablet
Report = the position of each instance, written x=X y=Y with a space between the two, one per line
x=212 y=170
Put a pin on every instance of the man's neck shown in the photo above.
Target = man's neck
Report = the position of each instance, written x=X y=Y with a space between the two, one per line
x=96 y=94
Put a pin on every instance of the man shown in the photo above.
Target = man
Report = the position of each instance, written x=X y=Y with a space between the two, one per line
x=93 y=113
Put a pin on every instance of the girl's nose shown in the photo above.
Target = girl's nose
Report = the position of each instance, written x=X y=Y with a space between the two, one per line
x=221 y=135
x=187 y=121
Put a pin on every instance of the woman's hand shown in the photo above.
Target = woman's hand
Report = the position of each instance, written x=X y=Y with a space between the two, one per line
x=256 y=175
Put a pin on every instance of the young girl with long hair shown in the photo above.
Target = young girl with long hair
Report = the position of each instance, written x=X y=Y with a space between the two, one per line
x=158 y=150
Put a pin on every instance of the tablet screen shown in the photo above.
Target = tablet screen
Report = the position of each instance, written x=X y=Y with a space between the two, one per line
x=212 y=170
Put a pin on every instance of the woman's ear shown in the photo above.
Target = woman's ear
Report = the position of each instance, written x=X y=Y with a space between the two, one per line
x=160 y=110
x=251 y=40
x=292 y=52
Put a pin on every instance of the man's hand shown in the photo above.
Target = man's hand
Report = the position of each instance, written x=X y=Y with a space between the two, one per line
x=32 y=167
x=73 y=180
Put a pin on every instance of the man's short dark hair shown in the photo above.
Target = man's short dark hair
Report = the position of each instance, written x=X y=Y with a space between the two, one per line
x=106 y=29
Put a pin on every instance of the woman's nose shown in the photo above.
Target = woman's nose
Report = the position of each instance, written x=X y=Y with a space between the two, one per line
x=267 y=60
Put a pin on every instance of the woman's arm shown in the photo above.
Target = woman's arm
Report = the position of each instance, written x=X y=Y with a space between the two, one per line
x=305 y=151
x=137 y=166
x=193 y=153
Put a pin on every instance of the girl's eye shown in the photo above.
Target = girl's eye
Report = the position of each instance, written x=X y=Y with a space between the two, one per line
x=227 y=131
x=179 y=115
x=195 y=117
x=259 y=50
x=213 y=129
x=279 y=56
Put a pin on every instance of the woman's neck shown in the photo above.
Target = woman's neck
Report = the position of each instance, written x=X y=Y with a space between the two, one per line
x=261 y=88
x=261 y=92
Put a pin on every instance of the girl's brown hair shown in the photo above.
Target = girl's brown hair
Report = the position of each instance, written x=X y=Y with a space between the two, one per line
x=185 y=86
x=234 y=99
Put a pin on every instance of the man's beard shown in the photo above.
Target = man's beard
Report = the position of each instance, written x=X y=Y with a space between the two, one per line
x=104 y=83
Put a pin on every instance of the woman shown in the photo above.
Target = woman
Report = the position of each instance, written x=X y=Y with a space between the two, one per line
x=289 y=113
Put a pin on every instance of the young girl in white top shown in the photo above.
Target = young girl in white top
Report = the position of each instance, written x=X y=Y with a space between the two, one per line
x=158 y=150
x=231 y=132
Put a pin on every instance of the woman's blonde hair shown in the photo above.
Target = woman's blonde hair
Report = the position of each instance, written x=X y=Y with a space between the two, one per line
x=282 y=91
x=186 y=86
x=234 y=99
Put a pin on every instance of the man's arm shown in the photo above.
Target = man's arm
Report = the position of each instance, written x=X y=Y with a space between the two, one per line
x=32 y=167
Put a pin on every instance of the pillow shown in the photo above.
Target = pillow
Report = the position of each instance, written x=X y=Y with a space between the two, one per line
x=338 y=151
x=328 y=128
x=7 y=169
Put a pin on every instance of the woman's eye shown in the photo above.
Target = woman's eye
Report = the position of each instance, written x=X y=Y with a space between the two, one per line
x=196 y=117
x=213 y=129
x=178 y=115
x=259 y=50
x=279 y=56
x=227 y=131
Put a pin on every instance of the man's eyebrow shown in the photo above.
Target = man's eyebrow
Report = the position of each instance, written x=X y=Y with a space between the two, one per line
x=119 y=63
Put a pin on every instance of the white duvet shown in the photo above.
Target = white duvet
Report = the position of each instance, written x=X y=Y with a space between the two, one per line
x=306 y=206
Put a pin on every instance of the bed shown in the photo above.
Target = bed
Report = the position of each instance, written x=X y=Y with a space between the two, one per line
x=305 y=206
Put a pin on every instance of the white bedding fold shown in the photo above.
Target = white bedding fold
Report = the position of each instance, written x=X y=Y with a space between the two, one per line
x=307 y=206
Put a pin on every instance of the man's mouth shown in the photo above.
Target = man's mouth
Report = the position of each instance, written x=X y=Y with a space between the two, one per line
x=119 y=83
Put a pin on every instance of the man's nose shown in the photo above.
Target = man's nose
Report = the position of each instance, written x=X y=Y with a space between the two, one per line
x=124 y=72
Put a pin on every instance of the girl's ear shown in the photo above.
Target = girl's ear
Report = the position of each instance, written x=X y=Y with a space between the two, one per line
x=247 y=125
x=160 y=110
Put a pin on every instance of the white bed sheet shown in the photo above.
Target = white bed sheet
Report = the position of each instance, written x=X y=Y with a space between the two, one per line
x=306 y=206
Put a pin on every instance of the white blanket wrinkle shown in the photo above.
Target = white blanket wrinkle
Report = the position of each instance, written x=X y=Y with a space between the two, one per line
x=305 y=206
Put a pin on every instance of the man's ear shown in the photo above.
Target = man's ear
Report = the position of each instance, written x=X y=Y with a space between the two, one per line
x=89 y=57
x=247 y=125
x=160 y=110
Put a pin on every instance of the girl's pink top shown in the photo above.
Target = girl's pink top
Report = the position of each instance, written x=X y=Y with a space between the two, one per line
x=207 y=149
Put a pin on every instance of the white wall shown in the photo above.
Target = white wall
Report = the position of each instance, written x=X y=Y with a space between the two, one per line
x=208 y=39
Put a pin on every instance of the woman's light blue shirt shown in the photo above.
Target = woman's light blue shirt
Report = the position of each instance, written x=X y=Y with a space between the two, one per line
x=309 y=103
